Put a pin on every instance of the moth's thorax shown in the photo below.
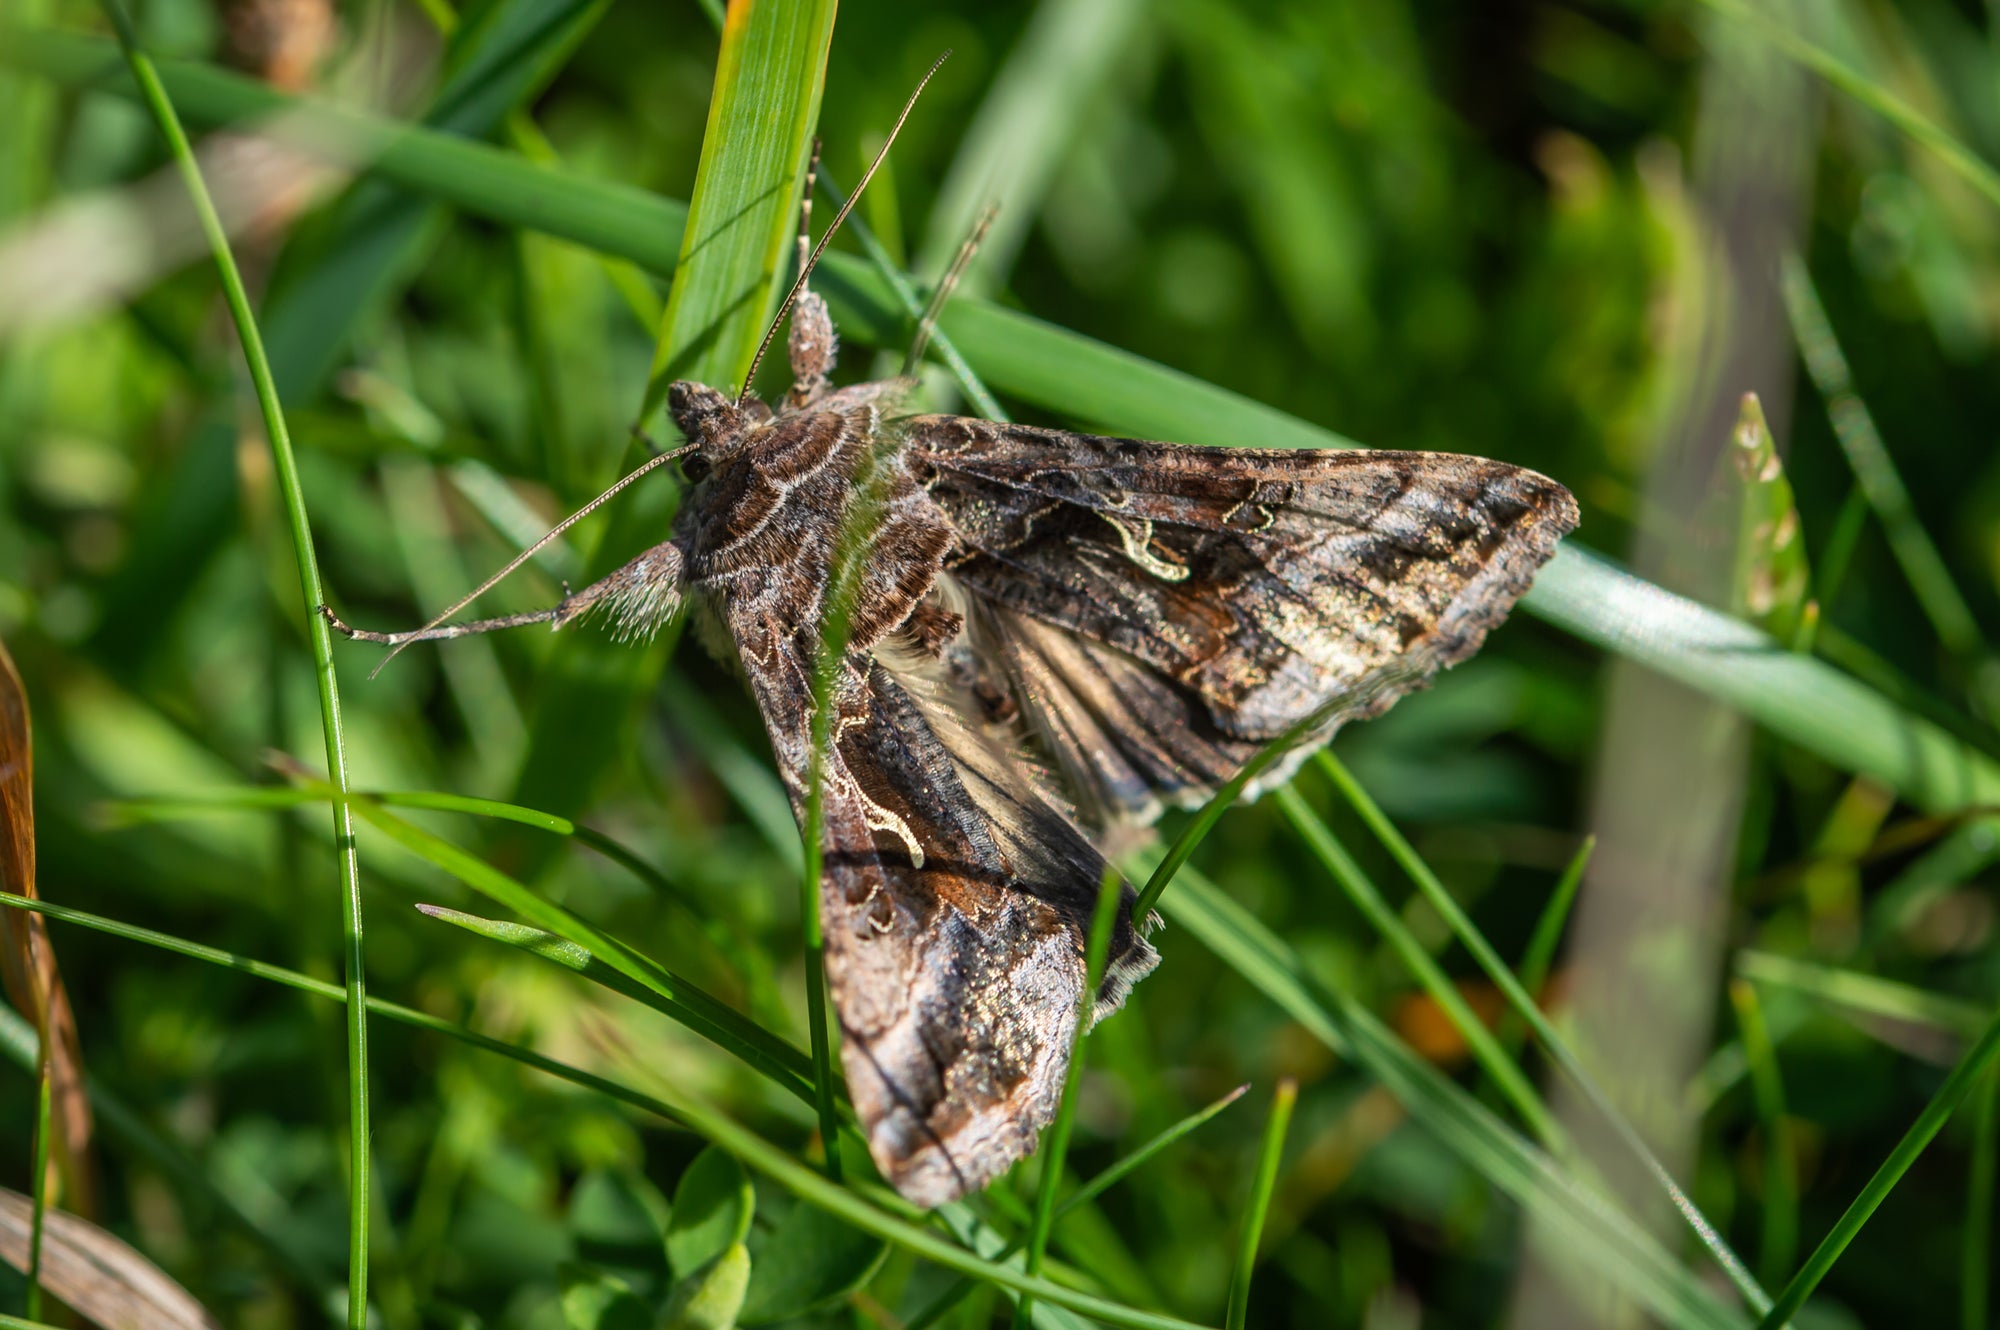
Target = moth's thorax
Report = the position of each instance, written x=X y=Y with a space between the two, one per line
x=765 y=522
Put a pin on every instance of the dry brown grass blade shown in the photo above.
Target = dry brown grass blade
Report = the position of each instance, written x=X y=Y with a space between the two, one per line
x=97 y=1275
x=27 y=961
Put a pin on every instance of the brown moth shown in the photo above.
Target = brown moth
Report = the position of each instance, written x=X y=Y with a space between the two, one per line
x=1047 y=635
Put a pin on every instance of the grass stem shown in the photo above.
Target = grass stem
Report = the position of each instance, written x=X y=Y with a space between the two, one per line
x=154 y=94
x=1269 y=1155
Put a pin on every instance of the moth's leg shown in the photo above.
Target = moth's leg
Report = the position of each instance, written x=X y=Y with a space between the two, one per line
x=946 y=284
x=641 y=597
x=813 y=344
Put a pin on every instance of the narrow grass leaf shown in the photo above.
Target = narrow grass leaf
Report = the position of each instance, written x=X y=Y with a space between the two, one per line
x=1269 y=1154
x=1790 y=39
x=1975 y=1271
x=1367 y=898
x=1863 y=994
x=1083 y=1195
x=1054 y=1150
x=766 y=1052
x=238 y=300
x=1595 y=1233
x=1781 y=1170
x=1538 y=958
x=699 y=1011
x=1523 y=1005
x=1976 y=1063
x=1874 y=469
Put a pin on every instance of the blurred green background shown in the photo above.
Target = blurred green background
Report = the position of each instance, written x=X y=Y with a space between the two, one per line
x=1545 y=232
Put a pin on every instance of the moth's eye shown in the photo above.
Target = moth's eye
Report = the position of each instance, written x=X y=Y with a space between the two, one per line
x=695 y=468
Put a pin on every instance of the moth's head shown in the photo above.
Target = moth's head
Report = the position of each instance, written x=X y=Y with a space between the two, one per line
x=706 y=418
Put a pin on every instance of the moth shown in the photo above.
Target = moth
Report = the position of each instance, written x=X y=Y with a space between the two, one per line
x=1046 y=635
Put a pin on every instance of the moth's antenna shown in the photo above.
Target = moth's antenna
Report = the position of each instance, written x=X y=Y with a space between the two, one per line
x=536 y=548
x=805 y=270
x=946 y=284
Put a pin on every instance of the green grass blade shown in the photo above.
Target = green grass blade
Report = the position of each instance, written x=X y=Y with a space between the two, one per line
x=155 y=96
x=1054 y=1149
x=1191 y=836
x=1781 y=1170
x=687 y=1003
x=24 y=1323
x=1540 y=955
x=744 y=214
x=780 y=1062
x=1269 y=1153
x=1367 y=898
x=1083 y=1195
x=1522 y=1004
x=1593 y=1232
x=1862 y=993
x=1874 y=469
x=1976 y=1063
x=1975 y=1274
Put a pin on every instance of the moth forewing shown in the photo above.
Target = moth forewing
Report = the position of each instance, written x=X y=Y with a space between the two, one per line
x=970 y=642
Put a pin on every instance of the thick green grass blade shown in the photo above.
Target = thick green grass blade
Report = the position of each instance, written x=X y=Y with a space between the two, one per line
x=1594 y=1232
x=39 y=1177
x=300 y=527
x=768 y=79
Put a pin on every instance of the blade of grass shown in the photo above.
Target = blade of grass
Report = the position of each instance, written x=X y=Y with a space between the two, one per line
x=155 y=96
x=1367 y=898
x=1874 y=469
x=1522 y=1004
x=1862 y=993
x=1975 y=1273
x=1204 y=820
x=1976 y=1062
x=1054 y=1148
x=699 y=1011
x=1596 y=1233
x=1540 y=955
x=1083 y=1195
x=1796 y=698
x=794 y=1072
x=1269 y=1153
x=1781 y=1171
x=769 y=75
